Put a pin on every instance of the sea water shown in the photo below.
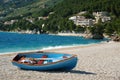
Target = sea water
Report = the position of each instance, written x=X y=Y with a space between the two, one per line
x=15 y=42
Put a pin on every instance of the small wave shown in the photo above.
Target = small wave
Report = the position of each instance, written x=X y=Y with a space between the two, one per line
x=35 y=50
x=68 y=46
x=49 y=48
x=55 y=47
x=59 y=47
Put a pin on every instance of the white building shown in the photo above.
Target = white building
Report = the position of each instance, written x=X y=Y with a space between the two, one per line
x=30 y=19
x=10 y=22
x=83 y=12
x=72 y=18
x=85 y=22
x=43 y=18
x=101 y=15
x=105 y=18
x=81 y=20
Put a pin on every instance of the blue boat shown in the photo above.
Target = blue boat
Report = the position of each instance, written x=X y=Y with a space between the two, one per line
x=45 y=61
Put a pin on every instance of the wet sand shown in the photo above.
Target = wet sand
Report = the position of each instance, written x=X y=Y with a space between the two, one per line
x=95 y=62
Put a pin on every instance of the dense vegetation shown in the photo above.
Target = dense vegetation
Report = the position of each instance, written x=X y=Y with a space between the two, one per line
x=5 y=4
x=58 y=21
x=25 y=8
x=70 y=7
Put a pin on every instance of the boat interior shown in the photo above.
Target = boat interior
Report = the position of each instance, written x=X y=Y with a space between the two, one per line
x=42 y=58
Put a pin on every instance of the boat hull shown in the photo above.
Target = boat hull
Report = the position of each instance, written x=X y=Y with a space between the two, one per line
x=63 y=64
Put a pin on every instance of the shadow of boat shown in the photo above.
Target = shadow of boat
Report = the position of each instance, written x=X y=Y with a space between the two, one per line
x=82 y=72
x=65 y=71
x=71 y=71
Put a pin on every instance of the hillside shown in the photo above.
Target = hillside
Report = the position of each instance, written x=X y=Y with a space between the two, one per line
x=62 y=10
x=58 y=22
x=6 y=4
x=12 y=8
x=69 y=7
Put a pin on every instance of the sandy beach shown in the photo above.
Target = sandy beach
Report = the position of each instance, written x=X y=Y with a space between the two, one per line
x=95 y=62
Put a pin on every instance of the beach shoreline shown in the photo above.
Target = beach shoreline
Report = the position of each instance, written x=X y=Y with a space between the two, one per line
x=60 y=34
x=95 y=62
x=72 y=34
x=55 y=48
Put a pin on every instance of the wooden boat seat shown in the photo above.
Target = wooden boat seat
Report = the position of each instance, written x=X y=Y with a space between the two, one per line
x=42 y=61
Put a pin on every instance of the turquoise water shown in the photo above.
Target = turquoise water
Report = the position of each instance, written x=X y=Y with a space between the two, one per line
x=15 y=42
